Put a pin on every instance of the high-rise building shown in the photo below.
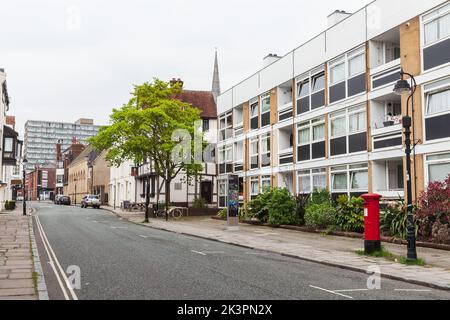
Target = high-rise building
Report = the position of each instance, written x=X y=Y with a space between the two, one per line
x=41 y=138
x=325 y=116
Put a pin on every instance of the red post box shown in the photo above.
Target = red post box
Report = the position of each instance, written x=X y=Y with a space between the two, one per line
x=372 y=240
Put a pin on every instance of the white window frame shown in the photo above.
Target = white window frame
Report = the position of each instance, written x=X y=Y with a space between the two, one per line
x=221 y=195
x=252 y=181
x=310 y=174
x=432 y=88
x=254 y=142
x=348 y=170
x=429 y=163
x=263 y=139
x=320 y=121
x=265 y=179
x=345 y=59
x=228 y=126
x=431 y=16
x=347 y=112
x=254 y=103
x=309 y=76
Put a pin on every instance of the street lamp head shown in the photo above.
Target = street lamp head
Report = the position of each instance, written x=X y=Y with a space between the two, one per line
x=402 y=87
x=24 y=161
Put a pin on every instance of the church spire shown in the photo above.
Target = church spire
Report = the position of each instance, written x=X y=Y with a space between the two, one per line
x=216 y=79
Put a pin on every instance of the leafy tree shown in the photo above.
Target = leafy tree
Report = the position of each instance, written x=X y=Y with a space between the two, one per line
x=155 y=125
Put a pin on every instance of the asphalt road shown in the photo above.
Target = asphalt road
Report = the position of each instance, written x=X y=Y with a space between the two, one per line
x=121 y=261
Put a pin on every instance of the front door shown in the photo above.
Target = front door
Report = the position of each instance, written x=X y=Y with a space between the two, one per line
x=206 y=190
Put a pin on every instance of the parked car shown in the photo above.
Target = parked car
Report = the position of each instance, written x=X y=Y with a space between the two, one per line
x=64 y=200
x=56 y=201
x=20 y=198
x=91 y=201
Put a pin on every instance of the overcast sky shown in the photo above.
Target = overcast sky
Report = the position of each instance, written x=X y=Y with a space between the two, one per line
x=79 y=58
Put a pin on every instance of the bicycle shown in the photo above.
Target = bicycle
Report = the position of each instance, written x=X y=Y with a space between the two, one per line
x=174 y=212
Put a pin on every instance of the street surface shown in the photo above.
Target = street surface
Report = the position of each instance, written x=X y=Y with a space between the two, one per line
x=119 y=260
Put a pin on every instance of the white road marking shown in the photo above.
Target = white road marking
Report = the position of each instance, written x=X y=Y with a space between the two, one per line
x=145 y=237
x=118 y=227
x=412 y=290
x=351 y=290
x=214 y=252
x=63 y=275
x=333 y=292
x=198 y=252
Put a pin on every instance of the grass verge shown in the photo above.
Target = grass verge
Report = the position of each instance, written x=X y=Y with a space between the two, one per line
x=383 y=253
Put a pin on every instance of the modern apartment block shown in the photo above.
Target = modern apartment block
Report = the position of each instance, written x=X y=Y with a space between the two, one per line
x=325 y=114
x=41 y=138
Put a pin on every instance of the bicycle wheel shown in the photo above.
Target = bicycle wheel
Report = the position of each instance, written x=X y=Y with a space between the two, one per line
x=177 y=213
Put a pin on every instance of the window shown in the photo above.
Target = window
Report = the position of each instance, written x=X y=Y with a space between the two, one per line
x=347 y=75
x=254 y=153
x=225 y=159
x=9 y=145
x=254 y=187
x=265 y=110
x=311 y=91
x=311 y=180
x=222 y=193
x=438 y=102
x=45 y=175
x=437 y=110
x=254 y=114
x=437 y=25
x=357 y=119
x=205 y=125
x=265 y=183
x=348 y=131
x=311 y=140
x=265 y=150
x=337 y=73
x=356 y=65
x=225 y=126
x=438 y=167
x=318 y=82
x=351 y=179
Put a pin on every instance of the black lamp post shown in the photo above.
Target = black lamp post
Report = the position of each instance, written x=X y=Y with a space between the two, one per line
x=403 y=87
x=24 y=162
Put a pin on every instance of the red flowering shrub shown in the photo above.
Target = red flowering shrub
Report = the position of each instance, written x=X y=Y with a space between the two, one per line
x=433 y=216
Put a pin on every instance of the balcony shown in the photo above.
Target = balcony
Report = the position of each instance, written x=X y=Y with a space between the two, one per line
x=386 y=122
x=388 y=178
x=284 y=102
x=285 y=146
x=385 y=58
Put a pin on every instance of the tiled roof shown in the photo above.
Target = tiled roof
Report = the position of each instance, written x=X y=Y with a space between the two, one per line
x=203 y=100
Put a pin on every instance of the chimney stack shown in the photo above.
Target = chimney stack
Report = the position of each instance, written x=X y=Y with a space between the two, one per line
x=337 y=17
x=271 y=58
x=175 y=81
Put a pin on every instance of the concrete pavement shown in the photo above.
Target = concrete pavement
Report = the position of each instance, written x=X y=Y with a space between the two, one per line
x=328 y=250
x=16 y=263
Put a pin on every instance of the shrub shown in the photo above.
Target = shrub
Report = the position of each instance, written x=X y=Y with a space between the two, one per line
x=433 y=217
x=393 y=220
x=223 y=213
x=350 y=214
x=275 y=206
x=199 y=203
x=320 y=197
x=282 y=208
x=320 y=215
x=301 y=204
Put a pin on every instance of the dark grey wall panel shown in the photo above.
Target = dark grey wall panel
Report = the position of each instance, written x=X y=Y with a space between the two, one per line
x=338 y=146
x=357 y=85
x=254 y=162
x=337 y=92
x=286 y=116
x=318 y=150
x=357 y=142
x=318 y=100
x=254 y=123
x=287 y=160
x=265 y=160
x=303 y=105
x=265 y=119
x=438 y=127
x=386 y=79
x=304 y=153
x=436 y=55
x=388 y=143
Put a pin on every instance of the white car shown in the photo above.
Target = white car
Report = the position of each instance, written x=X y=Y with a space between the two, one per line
x=91 y=201
x=19 y=198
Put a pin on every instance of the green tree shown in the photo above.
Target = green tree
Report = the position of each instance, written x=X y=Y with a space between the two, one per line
x=155 y=125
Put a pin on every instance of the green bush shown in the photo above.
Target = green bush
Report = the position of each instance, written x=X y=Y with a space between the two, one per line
x=199 y=203
x=393 y=220
x=223 y=213
x=320 y=197
x=320 y=215
x=282 y=208
x=301 y=204
x=10 y=205
x=274 y=206
x=350 y=214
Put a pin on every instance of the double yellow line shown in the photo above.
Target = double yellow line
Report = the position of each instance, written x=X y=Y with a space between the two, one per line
x=56 y=266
